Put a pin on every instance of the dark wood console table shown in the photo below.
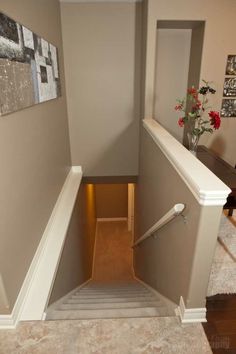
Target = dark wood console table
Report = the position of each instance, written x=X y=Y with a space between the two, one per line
x=223 y=170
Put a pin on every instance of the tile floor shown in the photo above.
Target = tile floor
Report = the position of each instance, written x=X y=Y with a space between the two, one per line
x=120 y=336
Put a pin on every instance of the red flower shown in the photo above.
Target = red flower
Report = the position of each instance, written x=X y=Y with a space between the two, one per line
x=179 y=107
x=215 y=119
x=199 y=103
x=181 y=122
x=192 y=91
x=197 y=106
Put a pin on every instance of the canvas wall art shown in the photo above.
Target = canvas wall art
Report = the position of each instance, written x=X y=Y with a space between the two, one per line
x=228 y=108
x=229 y=87
x=29 y=72
x=231 y=65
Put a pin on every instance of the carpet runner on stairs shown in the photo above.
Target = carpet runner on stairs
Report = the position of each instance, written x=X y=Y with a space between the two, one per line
x=109 y=301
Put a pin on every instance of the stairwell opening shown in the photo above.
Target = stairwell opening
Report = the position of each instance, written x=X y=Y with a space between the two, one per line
x=113 y=254
x=106 y=284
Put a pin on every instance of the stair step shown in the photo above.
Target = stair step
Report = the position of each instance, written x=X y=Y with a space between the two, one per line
x=110 y=299
x=99 y=301
x=109 y=305
x=113 y=287
x=111 y=291
x=107 y=313
x=95 y=295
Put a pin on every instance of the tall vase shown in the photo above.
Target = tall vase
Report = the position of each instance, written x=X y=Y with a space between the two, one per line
x=193 y=143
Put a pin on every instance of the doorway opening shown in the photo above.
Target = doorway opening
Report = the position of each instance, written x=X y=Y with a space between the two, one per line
x=177 y=66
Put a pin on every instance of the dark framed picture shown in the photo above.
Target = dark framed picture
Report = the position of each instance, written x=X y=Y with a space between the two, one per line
x=229 y=87
x=231 y=65
x=29 y=69
x=228 y=108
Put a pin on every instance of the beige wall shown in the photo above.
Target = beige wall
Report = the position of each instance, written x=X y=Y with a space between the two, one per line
x=171 y=75
x=112 y=200
x=194 y=65
x=219 y=41
x=34 y=155
x=77 y=257
x=178 y=262
x=102 y=64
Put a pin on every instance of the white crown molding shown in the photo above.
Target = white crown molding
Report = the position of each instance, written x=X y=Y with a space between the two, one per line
x=205 y=186
x=190 y=315
x=97 y=1
x=36 y=288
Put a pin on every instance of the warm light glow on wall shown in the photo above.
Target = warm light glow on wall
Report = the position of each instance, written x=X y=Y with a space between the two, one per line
x=90 y=191
x=131 y=191
x=90 y=216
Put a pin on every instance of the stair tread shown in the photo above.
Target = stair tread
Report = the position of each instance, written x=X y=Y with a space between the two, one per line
x=102 y=287
x=111 y=305
x=114 y=299
x=113 y=295
x=108 y=313
x=111 y=291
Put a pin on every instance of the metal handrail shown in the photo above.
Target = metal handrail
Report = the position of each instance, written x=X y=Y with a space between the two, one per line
x=170 y=215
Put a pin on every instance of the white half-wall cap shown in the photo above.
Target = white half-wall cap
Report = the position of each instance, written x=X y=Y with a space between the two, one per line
x=95 y=1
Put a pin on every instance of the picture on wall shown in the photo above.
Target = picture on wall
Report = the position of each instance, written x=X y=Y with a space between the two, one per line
x=29 y=72
x=231 y=65
x=229 y=87
x=228 y=108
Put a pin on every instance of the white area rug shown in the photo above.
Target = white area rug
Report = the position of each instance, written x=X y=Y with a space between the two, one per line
x=227 y=235
x=223 y=272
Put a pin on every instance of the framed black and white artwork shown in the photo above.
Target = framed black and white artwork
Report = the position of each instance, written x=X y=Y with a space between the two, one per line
x=29 y=72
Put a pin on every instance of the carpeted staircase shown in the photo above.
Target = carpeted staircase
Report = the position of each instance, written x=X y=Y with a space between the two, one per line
x=109 y=301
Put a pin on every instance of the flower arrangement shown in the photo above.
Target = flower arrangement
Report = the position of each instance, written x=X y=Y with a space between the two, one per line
x=194 y=108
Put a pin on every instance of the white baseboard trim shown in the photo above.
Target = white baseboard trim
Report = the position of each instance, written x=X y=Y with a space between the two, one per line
x=193 y=315
x=7 y=321
x=112 y=219
x=36 y=288
x=170 y=304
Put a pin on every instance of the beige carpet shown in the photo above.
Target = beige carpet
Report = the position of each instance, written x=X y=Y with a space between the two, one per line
x=223 y=272
x=122 y=336
x=113 y=254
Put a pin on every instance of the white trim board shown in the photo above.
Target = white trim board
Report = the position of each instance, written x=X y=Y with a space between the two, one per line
x=4 y=303
x=36 y=288
x=205 y=186
x=193 y=315
x=111 y=219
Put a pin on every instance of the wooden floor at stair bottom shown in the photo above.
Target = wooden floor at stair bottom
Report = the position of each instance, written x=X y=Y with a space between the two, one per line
x=221 y=326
